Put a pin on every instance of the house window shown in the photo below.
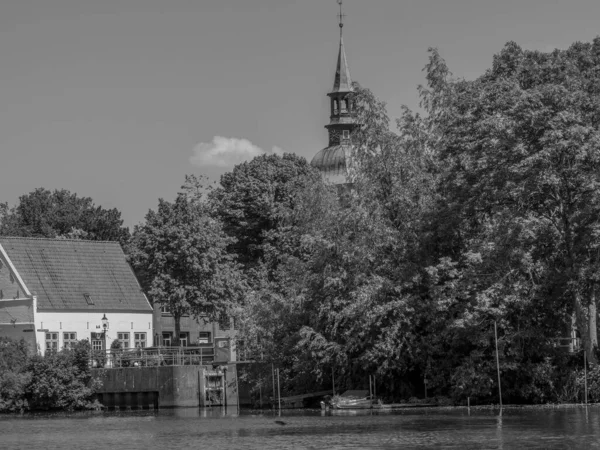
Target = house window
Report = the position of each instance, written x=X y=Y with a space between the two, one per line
x=184 y=339
x=139 y=340
x=343 y=105
x=167 y=339
x=124 y=339
x=69 y=340
x=88 y=299
x=52 y=341
x=346 y=134
x=164 y=309
x=96 y=343
x=204 y=337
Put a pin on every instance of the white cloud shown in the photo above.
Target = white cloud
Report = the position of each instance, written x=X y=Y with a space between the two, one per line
x=227 y=152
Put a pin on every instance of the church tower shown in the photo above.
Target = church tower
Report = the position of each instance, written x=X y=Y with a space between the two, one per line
x=333 y=161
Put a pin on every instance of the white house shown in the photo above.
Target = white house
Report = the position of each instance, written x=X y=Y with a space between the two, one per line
x=56 y=291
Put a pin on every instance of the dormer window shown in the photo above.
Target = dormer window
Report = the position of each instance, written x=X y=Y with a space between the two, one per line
x=344 y=109
x=88 y=299
x=335 y=106
x=345 y=135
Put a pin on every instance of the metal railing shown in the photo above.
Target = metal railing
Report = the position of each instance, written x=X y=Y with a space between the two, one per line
x=154 y=356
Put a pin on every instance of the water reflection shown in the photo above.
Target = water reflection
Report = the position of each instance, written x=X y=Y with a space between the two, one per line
x=219 y=428
x=499 y=430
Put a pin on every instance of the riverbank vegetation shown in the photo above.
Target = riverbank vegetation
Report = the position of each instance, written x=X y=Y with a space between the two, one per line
x=57 y=381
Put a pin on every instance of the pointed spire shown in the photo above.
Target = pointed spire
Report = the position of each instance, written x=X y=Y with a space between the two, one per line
x=342 y=82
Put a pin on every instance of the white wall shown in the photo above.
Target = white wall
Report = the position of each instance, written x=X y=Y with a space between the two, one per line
x=86 y=323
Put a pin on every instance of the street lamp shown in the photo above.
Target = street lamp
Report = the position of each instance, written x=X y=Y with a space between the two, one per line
x=104 y=328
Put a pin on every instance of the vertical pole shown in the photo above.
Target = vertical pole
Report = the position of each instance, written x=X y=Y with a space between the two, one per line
x=278 y=391
x=333 y=381
x=273 y=373
x=374 y=388
x=260 y=394
x=370 y=388
x=498 y=363
x=585 y=376
x=199 y=390
x=225 y=388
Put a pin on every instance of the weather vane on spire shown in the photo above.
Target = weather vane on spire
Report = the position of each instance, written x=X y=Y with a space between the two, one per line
x=341 y=15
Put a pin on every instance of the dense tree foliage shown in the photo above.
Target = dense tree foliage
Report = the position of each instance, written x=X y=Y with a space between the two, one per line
x=59 y=380
x=250 y=198
x=482 y=211
x=60 y=213
x=180 y=255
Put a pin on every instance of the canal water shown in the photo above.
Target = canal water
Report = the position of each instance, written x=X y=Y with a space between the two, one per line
x=560 y=428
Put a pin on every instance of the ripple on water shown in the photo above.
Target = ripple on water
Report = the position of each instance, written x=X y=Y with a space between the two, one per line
x=192 y=428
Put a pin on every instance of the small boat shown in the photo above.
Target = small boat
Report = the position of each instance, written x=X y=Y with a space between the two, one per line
x=353 y=400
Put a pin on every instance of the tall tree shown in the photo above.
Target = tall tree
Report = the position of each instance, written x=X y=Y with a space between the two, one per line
x=180 y=253
x=250 y=198
x=520 y=145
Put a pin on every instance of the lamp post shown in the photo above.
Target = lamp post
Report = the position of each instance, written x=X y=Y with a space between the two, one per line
x=104 y=328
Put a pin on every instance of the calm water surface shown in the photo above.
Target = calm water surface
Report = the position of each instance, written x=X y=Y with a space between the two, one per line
x=561 y=428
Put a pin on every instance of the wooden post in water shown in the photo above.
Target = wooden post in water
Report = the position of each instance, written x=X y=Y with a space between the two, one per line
x=273 y=373
x=374 y=388
x=278 y=391
x=585 y=375
x=370 y=388
x=332 y=381
x=498 y=363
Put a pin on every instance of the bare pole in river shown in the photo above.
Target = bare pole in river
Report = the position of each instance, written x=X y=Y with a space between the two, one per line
x=332 y=381
x=498 y=363
x=278 y=391
x=585 y=375
x=374 y=388
x=273 y=374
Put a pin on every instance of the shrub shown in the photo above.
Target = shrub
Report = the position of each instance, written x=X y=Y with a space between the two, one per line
x=12 y=391
x=60 y=381
x=593 y=384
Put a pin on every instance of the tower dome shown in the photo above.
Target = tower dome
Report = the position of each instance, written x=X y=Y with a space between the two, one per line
x=332 y=163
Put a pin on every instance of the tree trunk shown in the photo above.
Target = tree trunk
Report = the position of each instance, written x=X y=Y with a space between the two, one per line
x=177 y=319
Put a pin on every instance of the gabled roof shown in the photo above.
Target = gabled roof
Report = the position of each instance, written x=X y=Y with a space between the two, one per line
x=62 y=272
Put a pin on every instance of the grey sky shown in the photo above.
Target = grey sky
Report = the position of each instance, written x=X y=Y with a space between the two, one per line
x=109 y=98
